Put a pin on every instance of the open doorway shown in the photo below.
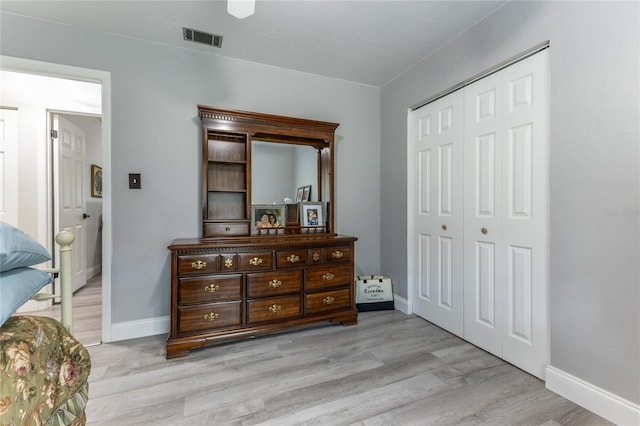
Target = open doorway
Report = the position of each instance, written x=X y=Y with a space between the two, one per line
x=37 y=212
x=76 y=146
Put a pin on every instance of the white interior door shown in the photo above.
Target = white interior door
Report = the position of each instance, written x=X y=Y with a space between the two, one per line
x=436 y=209
x=9 y=166
x=506 y=256
x=525 y=223
x=499 y=246
x=69 y=197
x=483 y=259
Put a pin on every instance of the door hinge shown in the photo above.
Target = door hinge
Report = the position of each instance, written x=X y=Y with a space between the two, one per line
x=54 y=134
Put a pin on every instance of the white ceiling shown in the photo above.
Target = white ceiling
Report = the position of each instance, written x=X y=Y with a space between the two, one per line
x=369 y=42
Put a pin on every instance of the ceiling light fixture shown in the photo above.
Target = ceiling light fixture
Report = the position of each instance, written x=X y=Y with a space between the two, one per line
x=241 y=8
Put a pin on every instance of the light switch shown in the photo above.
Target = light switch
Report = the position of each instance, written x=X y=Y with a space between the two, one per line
x=134 y=181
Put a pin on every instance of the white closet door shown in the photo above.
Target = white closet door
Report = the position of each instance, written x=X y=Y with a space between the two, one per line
x=436 y=209
x=483 y=270
x=525 y=124
x=506 y=220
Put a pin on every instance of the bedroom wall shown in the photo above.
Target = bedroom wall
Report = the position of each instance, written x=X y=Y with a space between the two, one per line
x=594 y=172
x=156 y=132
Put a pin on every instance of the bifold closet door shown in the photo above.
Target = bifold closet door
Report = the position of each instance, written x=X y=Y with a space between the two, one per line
x=506 y=214
x=437 y=212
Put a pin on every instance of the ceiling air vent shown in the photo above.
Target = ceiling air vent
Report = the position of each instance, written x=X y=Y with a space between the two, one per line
x=201 y=37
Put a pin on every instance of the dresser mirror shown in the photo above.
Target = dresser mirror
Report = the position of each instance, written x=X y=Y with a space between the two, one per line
x=279 y=169
x=253 y=159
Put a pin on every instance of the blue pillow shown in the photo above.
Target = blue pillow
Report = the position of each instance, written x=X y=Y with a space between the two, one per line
x=18 y=250
x=17 y=286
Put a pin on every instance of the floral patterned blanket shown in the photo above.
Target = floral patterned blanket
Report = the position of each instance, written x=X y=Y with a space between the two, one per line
x=43 y=373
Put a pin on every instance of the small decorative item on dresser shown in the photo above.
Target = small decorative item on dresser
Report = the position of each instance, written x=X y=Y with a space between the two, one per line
x=306 y=193
x=374 y=293
x=312 y=215
x=267 y=219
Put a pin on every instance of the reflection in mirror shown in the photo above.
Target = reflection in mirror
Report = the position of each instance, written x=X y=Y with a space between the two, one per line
x=278 y=169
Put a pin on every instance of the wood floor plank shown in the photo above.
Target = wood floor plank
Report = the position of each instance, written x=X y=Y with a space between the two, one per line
x=390 y=369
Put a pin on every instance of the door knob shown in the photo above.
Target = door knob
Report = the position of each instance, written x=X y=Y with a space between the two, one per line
x=444 y=227
x=84 y=215
x=484 y=231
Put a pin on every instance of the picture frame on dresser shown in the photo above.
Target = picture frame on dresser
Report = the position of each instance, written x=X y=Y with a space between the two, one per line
x=306 y=193
x=267 y=216
x=312 y=214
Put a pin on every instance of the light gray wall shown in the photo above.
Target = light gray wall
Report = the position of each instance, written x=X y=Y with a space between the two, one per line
x=156 y=132
x=594 y=171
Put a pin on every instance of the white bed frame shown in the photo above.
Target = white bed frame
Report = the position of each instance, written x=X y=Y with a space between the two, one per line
x=64 y=240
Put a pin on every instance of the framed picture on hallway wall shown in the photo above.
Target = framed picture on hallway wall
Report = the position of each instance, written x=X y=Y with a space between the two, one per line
x=96 y=181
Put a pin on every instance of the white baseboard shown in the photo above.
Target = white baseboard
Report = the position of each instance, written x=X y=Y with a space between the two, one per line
x=142 y=328
x=94 y=270
x=599 y=401
x=402 y=304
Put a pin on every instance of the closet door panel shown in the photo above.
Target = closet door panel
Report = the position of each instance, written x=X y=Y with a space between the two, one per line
x=437 y=212
x=525 y=221
x=483 y=150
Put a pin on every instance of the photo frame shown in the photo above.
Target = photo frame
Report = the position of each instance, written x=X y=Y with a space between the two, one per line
x=299 y=194
x=306 y=193
x=96 y=181
x=267 y=218
x=312 y=214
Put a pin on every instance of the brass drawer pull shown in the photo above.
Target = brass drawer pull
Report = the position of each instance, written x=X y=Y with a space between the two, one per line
x=228 y=263
x=337 y=254
x=198 y=264
x=275 y=309
x=275 y=283
x=293 y=258
x=212 y=288
x=328 y=276
x=256 y=261
x=211 y=316
x=328 y=300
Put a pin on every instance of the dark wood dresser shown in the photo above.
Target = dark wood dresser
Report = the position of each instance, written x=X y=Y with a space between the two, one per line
x=265 y=262
x=256 y=286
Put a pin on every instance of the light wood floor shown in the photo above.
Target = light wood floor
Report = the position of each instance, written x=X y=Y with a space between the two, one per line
x=390 y=369
x=87 y=312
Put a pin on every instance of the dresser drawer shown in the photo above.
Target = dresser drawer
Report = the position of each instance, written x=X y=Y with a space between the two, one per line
x=337 y=254
x=228 y=262
x=225 y=229
x=272 y=309
x=315 y=256
x=265 y=284
x=255 y=261
x=324 y=277
x=209 y=289
x=289 y=259
x=328 y=301
x=207 y=317
x=197 y=264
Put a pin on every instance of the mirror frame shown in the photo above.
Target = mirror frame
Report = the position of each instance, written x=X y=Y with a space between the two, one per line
x=279 y=129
